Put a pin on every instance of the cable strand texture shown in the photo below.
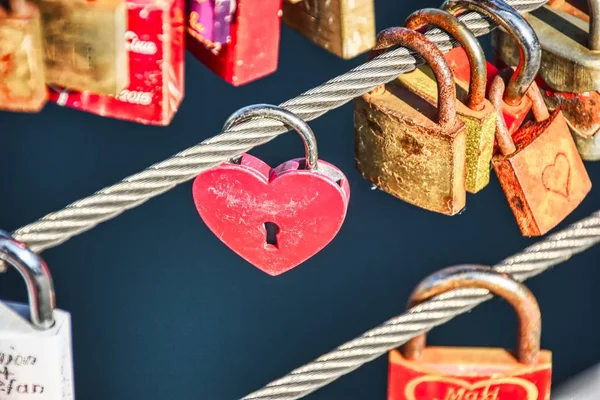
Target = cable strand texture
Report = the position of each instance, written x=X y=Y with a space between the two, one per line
x=535 y=259
x=108 y=203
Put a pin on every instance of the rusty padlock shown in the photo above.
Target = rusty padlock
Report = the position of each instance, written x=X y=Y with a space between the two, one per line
x=403 y=144
x=22 y=75
x=472 y=373
x=571 y=56
x=539 y=168
x=515 y=106
x=478 y=114
x=84 y=46
x=344 y=27
x=581 y=109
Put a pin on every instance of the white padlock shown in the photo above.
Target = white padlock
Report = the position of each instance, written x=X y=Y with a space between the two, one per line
x=36 y=359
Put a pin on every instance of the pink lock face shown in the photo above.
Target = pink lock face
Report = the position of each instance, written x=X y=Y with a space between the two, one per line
x=210 y=21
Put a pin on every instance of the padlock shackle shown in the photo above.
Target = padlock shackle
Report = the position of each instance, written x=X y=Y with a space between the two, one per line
x=503 y=285
x=418 y=43
x=594 y=30
x=505 y=141
x=34 y=270
x=459 y=31
x=287 y=118
x=530 y=49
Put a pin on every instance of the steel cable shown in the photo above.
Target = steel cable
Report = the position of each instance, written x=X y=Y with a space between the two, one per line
x=534 y=260
x=83 y=215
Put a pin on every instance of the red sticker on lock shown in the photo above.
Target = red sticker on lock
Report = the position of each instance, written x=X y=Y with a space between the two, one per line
x=155 y=42
x=273 y=218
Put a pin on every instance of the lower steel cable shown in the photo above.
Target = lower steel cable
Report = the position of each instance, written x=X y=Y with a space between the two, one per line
x=535 y=259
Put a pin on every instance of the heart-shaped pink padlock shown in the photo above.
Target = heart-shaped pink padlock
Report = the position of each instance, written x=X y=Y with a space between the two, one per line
x=273 y=218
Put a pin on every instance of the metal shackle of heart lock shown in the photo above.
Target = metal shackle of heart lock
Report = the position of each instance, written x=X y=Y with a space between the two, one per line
x=274 y=218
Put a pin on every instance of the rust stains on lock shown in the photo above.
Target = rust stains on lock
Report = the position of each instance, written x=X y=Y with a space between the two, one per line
x=403 y=144
x=539 y=168
x=22 y=74
x=477 y=113
x=474 y=373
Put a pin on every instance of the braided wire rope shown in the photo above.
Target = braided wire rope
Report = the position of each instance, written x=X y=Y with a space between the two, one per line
x=81 y=216
x=532 y=261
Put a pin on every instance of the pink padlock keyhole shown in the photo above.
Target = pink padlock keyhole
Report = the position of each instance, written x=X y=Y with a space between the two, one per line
x=274 y=218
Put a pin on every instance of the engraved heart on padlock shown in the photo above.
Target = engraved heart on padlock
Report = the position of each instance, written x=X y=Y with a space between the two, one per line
x=556 y=176
x=273 y=218
x=444 y=388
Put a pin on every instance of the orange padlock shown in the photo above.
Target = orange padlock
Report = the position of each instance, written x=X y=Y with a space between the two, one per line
x=470 y=373
x=539 y=167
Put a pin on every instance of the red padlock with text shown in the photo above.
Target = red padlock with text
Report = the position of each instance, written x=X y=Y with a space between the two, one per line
x=515 y=106
x=274 y=218
x=472 y=373
x=237 y=39
x=155 y=43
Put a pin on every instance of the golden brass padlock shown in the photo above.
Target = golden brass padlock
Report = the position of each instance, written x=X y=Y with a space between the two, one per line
x=403 y=144
x=22 y=77
x=344 y=27
x=84 y=45
x=571 y=47
x=477 y=113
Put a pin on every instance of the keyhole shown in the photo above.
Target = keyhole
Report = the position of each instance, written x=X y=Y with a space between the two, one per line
x=271 y=231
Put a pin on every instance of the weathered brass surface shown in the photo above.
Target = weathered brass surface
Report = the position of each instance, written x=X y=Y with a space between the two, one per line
x=84 y=43
x=400 y=148
x=403 y=144
x=568 y=64
x=480 y=125
x=22 y=78
x=344 y=27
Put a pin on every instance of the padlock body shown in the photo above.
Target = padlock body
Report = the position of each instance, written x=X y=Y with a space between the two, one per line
x=514 y=115
x=35 y=363
x=155 y=43
x=344 y=27
x=402 y=151
x=22 y=75
x=480 y=125
x=253 y=49
x=544 y=180
x=452 y=373
x=83 y=44
x=582 y=113
x=275 y=218
x=568 y=65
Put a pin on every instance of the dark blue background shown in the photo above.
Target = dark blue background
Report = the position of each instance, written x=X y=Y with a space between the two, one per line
x=163 y=310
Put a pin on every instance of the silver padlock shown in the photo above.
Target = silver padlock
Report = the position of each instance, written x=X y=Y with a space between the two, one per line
x=35 y=339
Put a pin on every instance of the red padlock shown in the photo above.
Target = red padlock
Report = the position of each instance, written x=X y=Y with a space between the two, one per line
x=155 y=42
x=250 y=51
x=515 y=106
x=274 y=218
x=469 y=373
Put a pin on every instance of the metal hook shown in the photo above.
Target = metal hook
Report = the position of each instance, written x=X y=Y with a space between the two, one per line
x=287 y=118
x=37 y=276
x=529 y=46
